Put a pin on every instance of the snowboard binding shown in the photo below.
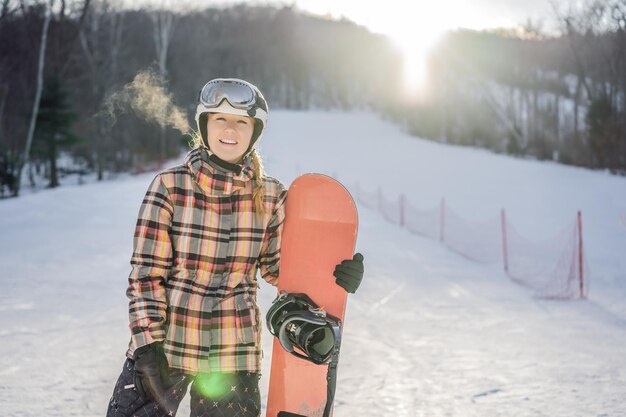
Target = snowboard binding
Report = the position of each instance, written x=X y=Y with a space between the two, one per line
x=300 y=324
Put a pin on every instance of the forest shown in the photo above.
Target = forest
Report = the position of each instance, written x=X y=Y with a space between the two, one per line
x=97 y=87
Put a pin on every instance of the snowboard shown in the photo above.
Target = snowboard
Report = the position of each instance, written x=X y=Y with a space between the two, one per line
x=319 y=231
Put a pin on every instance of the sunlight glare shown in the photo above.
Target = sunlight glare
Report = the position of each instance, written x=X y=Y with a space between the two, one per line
x=415 y=34
x=412 y=26
x=415 y=49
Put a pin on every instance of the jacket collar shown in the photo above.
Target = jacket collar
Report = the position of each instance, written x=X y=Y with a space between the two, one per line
x=214 y=179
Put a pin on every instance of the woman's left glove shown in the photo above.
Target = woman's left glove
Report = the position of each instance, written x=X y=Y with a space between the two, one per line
x=152 y=373
x=349 y=273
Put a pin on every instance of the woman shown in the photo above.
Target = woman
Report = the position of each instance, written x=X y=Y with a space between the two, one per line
x=204 y=228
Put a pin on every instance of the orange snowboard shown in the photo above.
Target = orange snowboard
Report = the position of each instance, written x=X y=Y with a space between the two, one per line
x=319 y=232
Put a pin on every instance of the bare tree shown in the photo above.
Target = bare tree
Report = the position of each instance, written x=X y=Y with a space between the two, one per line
x=101 y=42
x=162 y=27
x=38 y=92
x=6 y=9
x=597 y=40
x=163 y=19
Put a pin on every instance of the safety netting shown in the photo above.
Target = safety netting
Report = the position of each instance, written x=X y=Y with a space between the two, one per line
x=423 y=222
x=365 y=198
x=390 y=209
x=554 y=268
x=476 y=240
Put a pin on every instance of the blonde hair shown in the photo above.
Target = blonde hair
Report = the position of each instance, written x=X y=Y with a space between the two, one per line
x=259 y=177
x=258 y=172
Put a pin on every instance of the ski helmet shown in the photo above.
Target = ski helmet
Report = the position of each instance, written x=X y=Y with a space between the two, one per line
x=232 y=96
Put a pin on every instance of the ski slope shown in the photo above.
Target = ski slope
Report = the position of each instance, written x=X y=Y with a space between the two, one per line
x=429 y=333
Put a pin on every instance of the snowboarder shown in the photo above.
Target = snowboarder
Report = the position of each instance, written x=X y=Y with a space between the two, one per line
x=204 y=228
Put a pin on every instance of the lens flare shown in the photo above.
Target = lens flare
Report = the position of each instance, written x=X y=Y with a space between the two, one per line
x=214 y=385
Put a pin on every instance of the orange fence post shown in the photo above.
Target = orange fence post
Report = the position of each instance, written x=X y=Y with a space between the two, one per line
x=442 y=219
x=402 y=198
x=505 y=248
x=580 y=255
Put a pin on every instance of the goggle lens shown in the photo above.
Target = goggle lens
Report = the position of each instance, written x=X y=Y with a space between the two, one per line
x=238 y=94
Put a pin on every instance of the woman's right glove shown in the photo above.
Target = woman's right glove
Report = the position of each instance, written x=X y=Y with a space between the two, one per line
x=152 y=374
x=349 y=273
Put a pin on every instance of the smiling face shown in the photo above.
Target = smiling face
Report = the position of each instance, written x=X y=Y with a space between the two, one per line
x=229 y=135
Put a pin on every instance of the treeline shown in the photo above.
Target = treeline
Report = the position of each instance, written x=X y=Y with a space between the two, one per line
x=94 y=49
x=521 y=92
x=516 y=92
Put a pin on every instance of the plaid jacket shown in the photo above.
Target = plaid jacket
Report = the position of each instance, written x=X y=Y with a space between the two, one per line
x=197 y=246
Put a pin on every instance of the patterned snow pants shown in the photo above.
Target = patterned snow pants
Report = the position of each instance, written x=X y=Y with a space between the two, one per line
x=212 y=395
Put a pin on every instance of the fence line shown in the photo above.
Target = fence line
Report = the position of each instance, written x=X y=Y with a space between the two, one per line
x=554 y=269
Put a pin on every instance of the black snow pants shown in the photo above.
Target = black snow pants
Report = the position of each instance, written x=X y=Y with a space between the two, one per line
x=212 y=395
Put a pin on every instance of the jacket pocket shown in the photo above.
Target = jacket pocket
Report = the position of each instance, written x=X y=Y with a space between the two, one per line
x=246 y=321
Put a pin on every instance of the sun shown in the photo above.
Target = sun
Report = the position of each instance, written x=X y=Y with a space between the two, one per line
x=415 y=48
x=412 y=26
x=415 y=33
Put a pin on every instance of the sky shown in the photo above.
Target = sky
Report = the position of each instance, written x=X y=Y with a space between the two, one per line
x=395 y=17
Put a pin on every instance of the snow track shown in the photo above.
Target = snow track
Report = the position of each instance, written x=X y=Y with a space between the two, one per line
x=428 y=334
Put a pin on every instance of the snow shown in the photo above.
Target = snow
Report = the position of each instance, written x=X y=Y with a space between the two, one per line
x=429 y=333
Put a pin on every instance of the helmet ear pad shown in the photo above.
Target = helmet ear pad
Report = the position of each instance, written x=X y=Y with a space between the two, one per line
x=256 y=133
x=202 y=122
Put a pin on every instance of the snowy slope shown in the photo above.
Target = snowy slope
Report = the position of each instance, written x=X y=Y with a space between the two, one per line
x=429 y=333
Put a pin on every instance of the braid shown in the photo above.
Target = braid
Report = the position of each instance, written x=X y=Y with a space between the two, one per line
x=259 y=176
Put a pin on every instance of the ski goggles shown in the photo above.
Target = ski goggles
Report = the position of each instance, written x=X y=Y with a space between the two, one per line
x=240 y=94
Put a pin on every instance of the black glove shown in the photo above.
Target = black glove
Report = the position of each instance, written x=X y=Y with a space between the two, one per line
x=152 y=374
x=349 y=273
